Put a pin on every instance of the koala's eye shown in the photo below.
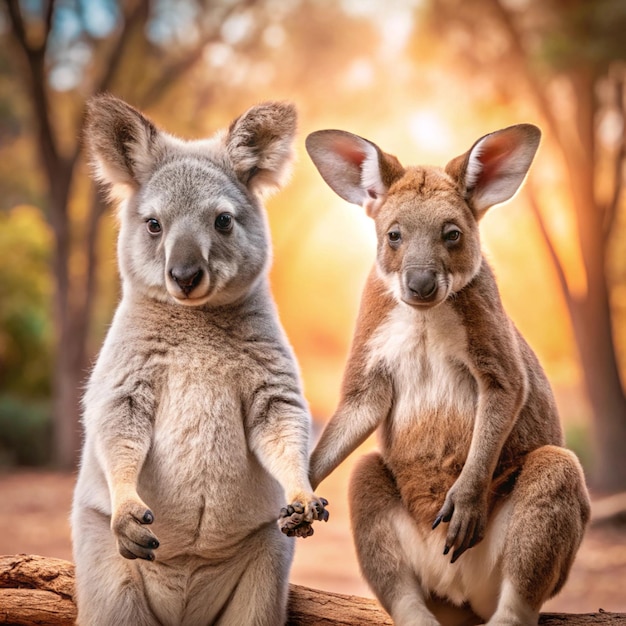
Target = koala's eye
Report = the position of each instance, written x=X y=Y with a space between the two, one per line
x=394 y=236
x=224 y=222
x=451 y=234
x=153 y=226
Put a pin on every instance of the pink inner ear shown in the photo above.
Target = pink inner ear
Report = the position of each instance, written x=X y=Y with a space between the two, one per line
x=494 y=155
x=348 y=151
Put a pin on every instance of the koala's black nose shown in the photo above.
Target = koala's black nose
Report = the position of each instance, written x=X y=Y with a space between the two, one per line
x=422 y=284
x=187 y=277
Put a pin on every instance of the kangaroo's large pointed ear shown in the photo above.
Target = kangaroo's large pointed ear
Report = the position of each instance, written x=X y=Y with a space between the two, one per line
x=496 y=165
x=259 y=145
x=121 y=143
x=354 y=168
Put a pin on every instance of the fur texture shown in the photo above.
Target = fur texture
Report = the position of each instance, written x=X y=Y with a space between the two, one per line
x=196 y=430
x=471 y=461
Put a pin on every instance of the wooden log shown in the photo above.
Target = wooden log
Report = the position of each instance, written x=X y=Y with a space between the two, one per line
x=310 y=607
x=36 y=590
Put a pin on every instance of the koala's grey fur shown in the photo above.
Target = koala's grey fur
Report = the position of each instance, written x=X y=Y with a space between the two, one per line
x=196 y=430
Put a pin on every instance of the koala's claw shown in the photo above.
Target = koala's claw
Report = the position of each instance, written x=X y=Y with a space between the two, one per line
x=290 y=509
x=296 y=520
x=134 y=539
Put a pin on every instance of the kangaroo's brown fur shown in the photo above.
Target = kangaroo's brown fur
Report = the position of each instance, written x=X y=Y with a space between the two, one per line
x=468 y=425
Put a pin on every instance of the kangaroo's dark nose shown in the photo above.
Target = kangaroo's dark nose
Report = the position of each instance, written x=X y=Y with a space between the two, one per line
x=187 y=277
x=422 y=284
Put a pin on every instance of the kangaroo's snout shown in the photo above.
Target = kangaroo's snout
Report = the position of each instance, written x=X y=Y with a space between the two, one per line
x=421 y=284
x=187 y=277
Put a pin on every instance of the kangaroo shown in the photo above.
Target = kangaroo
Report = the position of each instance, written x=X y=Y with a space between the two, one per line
x=471 y=457
x=196 y=430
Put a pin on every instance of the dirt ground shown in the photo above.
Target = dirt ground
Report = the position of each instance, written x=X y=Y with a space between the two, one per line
x=34 y=511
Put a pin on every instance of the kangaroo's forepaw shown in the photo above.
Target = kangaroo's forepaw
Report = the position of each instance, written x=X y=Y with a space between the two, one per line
x=467 y=519
x=296 y=519
x=129 y=525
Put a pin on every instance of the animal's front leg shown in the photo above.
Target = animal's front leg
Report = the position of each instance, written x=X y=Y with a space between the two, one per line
x=281 y=440
x=304 y=506
x=129 y=523
x=296 y=519
x=124 y=438
x=465 y=509
x=466 y=504
x=364 y=403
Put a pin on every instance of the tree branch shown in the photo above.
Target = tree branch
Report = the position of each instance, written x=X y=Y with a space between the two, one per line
x=39 y=590
x=34 y=57
x=610 y=210
x=136 y=15
x=531 y=194
x=180 y=67
x=174 y=72
x=520 y=56
x=48 y=24
x=17 y=23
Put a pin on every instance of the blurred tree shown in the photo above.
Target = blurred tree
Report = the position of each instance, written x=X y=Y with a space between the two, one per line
x=565 y=58
x=24 y=304
x=171 y=58
x=25 y=289
x=63 y=51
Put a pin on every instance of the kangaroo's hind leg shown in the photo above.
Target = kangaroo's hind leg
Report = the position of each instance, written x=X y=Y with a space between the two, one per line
x=550 y=509
x=376 y=514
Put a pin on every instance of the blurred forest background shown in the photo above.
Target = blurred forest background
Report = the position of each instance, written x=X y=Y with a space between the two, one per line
x=422 y=78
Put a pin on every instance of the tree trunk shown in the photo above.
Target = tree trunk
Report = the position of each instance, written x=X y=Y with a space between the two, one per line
x=591 y=313
x=69 y=348
x=591 y=325
x=68 y=376
x=71 y=358
x=58 y=170
x=36 y=590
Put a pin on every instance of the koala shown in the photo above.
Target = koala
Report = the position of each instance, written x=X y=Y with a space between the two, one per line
x=472 y=501
x=196 y=429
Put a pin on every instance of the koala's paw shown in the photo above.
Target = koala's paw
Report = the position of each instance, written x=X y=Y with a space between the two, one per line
x=130 y=526
x=296 y=519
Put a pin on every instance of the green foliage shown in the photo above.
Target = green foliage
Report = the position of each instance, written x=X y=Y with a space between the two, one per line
x=578 y=437
x=591 y=33
x=25 y=338
x=25 y=432
x=25 y=295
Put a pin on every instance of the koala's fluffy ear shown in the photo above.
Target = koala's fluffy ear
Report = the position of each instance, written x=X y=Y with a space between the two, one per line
x=259 y=145
x=121 y=143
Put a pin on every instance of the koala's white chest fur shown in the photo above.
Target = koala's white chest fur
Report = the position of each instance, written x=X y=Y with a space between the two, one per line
x=425 y=352
x=199 y=454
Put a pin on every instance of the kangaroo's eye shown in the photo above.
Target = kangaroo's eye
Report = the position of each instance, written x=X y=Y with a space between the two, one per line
x=224 y=222
x=452 y=235
x=153 y=226
x=394 y=236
